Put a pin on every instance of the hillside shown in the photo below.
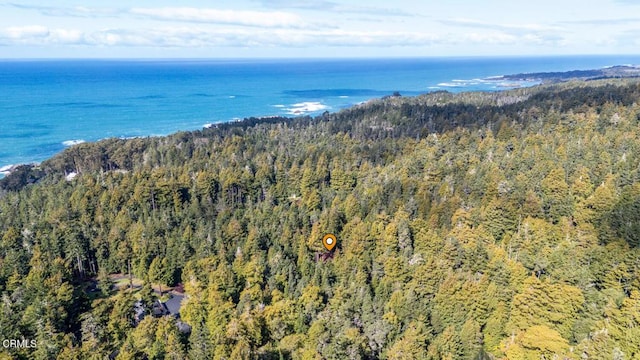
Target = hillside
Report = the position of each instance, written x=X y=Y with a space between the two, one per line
x=471 y=226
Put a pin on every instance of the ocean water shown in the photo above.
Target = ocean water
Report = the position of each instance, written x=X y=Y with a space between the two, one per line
x=47 y=105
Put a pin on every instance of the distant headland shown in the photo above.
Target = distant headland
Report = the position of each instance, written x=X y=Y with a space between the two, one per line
x=611 y=72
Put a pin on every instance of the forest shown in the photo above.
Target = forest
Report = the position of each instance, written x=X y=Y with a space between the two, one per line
x=482 y=225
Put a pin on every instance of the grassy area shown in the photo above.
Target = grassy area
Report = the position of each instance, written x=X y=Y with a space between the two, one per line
x=122 y=281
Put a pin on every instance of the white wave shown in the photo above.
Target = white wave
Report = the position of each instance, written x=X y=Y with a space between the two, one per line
x=509 y=85
x=207 y=126
x=72 y=142
x=232 y=96
x=463 y=83
x=6 y=169
x=627 y=65
x=306 y=107
x=278 y=106
x=434 y=87
x=343 y=97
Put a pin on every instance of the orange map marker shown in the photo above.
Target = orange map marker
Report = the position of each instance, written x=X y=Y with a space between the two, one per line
x=329 y=241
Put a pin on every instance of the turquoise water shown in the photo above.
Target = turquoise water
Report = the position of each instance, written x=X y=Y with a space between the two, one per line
x=46 y=105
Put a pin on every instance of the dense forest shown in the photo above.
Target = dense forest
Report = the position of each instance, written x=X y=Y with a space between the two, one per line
x=470 y=226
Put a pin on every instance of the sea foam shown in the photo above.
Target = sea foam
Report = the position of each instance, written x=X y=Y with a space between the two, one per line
x=6 y=169
x=306 y=107
x=72 y=142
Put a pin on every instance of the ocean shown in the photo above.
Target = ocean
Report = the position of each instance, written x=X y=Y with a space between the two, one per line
x=47 y=105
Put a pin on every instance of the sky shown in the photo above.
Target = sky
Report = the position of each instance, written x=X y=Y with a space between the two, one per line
x=316 y=28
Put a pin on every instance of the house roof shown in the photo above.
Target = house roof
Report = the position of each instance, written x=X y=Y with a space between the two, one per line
x=173 y=304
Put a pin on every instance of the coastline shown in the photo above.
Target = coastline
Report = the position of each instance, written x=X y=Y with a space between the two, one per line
x=608 y=72
x=316 y=108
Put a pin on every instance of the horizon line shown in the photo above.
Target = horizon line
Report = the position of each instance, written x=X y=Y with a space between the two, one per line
x=401 y=57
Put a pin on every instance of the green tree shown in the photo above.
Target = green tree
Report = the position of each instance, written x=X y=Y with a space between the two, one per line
x=159 y=272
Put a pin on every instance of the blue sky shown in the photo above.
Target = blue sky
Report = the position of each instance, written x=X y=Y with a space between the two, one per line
x=316 y=28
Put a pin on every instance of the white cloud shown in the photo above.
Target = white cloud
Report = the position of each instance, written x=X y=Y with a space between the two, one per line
x=24 y=32
x=65 y=36
x=368 y=38
x=605 y=22
x=271 y=19
x=192 y=37
x=39 y=35
x=76 y=11
x=504 y=34
x=628 y=37
x=322 y=5
x=492 y=38
x=511 y=28
x=185 y=37
x=299 y=4
x=267 y=19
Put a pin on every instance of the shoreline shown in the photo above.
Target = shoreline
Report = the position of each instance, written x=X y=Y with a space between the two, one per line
x=301 y=109
x=498 y=83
